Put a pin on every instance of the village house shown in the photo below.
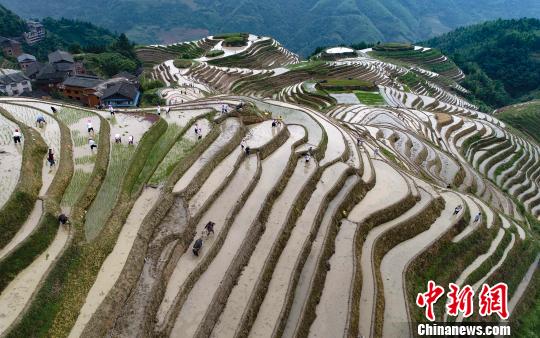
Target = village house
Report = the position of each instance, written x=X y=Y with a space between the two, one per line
x=121 y=94
x=10 y=47
x=25 y=60
x=48 y=76
x=13 y=82
x=36 y=32
x=83 y=88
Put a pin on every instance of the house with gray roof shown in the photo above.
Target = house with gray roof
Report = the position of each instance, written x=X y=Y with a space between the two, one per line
x=13 y=82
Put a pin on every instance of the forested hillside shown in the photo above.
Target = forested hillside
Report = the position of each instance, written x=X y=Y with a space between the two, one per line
x=501 y=59
x=300 y=25
x=10 y=23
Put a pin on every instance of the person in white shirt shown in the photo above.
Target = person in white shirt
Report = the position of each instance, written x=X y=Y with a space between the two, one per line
x=17 y=136
x=89 y=126
x=158 y=109
x=117 y=138
x=111 y=109
x=92 y=144
x=130 y=139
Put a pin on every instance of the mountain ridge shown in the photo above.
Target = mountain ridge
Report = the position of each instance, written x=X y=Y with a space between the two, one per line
x=300 y=25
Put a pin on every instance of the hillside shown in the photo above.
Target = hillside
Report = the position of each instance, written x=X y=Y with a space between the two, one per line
x=10 y=23
x=276 y=198
x=300 y=25
x=502 y=59
x=523 y=116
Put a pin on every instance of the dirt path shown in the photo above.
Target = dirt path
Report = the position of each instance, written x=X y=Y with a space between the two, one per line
x=395 y=262
x=113 y=264
x=27 y=228
x=18 y=293
x=241 y=295
x=228 y=130
x=367 y=300
x=200 y=297
x=270 y=311
x=219 y=212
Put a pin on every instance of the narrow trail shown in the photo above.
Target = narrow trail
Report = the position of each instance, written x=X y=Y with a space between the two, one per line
x=113 y=264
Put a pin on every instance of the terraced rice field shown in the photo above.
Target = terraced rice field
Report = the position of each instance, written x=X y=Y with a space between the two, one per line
x=330 y=226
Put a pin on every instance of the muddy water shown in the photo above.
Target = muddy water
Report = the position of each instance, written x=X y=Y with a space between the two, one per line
x=228 y=129
x=307 y=276
x=129 y=124
x=380 y=195
x=367 y=296
x=240 y=295
x=396 y=261
x=26 y=229
x=10 y=159
x=204 y=126
x=333 y=309
x=17 y=294
x=113 y=264
x=200 y=298
x=218 y=213
x=212 y=183
x=275 y=297
x=260 y=134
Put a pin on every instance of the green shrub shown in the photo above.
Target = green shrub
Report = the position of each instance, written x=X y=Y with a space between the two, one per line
x=214 y=53
x=235 y=41
x=182 y=63
x=346 y=85
x=151 y=98
x=393 y=46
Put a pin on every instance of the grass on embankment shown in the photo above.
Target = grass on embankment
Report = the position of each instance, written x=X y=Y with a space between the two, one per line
x=22 y=200
x=47 y=227
x=100 y=210
x=525 y=320
x=524 y=117
x=369 y=98
x=444 y=263
x=58 y=303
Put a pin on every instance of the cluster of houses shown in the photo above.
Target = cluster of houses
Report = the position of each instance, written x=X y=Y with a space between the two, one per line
x=61 y=74
x=64 y=75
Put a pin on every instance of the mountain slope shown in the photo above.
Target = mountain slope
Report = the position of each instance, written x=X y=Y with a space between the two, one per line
x=502 y=50
x=300 y=25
